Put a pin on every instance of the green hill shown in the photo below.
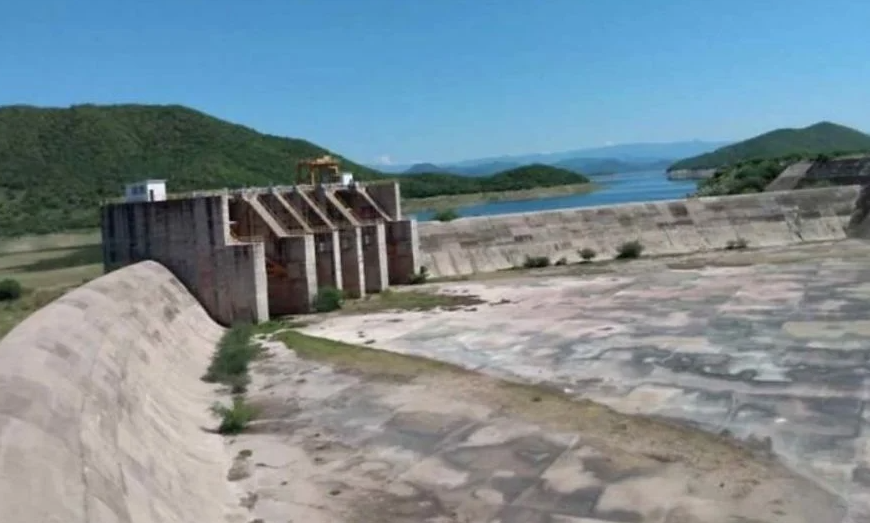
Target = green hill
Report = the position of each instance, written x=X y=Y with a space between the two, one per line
x=57 y=164
x=821 y=138
x=427 y=185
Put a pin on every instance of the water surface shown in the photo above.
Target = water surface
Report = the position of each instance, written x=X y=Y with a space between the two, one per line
x=645 y=186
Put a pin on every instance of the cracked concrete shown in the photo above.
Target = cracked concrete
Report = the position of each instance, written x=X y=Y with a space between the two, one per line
x=775 y=353
x=338 y=447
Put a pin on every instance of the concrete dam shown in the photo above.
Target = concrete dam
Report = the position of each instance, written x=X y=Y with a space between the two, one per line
x=102 y=410
x=487 y=244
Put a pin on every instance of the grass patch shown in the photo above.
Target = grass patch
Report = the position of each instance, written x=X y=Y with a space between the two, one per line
x=235 y=351
x=50 y=260
x=328 y=299
x=410 y=300
x=235 y=417
x=14 y=312
x=356 y=359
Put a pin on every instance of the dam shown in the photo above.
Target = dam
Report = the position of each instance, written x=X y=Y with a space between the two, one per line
x=103 y=417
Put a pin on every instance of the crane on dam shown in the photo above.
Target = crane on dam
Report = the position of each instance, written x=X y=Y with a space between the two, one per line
x=313 y=171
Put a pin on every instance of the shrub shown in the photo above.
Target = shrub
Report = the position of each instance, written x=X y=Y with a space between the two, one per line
x=235 y=418
x=421 y=277
x=10 y=290
x=629 y=250
x=738 y=244
x=447 y=215
x=587 y=254
x=561 y=261
x=536 y=262
x=328 y=299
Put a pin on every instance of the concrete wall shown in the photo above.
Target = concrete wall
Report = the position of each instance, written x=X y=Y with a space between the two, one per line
x=842 y=171
x=388 y=197
x=191 y=238
x=486 y=244
x=102 y=408
x=403 y=250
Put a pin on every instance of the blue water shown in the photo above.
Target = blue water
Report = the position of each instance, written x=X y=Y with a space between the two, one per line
x=646 y=186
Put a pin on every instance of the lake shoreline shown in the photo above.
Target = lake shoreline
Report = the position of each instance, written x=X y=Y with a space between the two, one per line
x=442 y=203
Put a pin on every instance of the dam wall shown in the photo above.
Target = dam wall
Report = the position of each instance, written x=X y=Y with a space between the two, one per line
x=102 y=408
x=486 y=244
x=192 y=238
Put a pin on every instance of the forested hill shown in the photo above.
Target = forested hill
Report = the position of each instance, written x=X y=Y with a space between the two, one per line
x=821 y=138
x=57 y=164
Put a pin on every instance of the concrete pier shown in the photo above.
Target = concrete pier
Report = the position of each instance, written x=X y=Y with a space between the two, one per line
x=251 y=254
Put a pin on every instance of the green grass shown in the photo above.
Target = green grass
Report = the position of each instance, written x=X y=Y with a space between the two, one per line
x=409 y=300
x=46 y=267
x=235 y=352
x=354 y=358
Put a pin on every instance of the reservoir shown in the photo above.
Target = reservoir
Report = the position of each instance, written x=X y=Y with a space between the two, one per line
x=636 y=187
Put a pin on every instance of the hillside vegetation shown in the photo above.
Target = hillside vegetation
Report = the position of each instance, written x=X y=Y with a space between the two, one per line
x=743 y=178
x=427 y=185
x=57 y=165
x=821 y=138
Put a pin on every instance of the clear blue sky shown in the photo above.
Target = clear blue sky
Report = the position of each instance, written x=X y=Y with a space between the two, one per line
x=439 y=80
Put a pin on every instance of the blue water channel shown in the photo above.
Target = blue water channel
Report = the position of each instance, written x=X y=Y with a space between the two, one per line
x=646 y=186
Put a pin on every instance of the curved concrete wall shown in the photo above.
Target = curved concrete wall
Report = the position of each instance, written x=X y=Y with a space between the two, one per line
x=101 y=407
x=488 y=244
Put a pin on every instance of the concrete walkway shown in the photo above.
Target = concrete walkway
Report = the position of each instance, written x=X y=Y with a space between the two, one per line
x=775 y=353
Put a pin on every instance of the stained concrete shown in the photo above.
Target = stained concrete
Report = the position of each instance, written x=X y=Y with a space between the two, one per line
x=192 y=238
x=492 y=243
x=349 y=447
x=104 y=419
x=774 y=353
x=102 y=412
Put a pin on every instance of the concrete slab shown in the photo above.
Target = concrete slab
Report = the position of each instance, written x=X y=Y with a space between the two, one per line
x=336 y=447
x=775 y=353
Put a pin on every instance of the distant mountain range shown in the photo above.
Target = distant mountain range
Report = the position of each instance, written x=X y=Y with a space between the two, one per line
x=597 y=160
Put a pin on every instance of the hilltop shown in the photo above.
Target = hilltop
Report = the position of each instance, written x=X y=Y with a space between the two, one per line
x=821 y=138
x=57 y=164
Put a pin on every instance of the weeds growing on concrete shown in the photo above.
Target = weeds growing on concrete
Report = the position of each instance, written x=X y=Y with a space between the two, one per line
x=738 y=244
x=230 y=362
x=629 y=250
x=587 y=254
x=10 y=290
x=236 y=417
x=409 y=300
x=328 y=299
x=422 y=276
x=536 y=262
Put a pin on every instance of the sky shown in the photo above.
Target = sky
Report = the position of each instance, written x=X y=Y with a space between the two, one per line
x=404 y=81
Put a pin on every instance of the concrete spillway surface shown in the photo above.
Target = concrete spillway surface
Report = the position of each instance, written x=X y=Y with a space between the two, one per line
x=103 y=419
x=101 y=407
x=777 y=353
